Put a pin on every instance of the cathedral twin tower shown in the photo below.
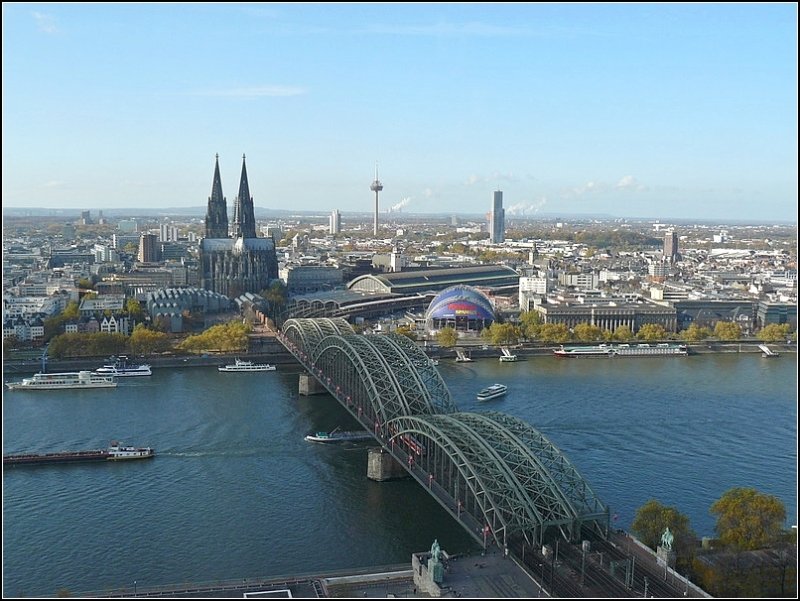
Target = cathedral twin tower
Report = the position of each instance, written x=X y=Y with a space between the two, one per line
x=244 y=220
x=233 y=260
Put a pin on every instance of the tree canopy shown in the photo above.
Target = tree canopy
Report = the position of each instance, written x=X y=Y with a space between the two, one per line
x=447 y=337
x=653 y=518
x=774 y=332
x=226 y=337
x=748 y=519
x=727 y=330
x=651 y=331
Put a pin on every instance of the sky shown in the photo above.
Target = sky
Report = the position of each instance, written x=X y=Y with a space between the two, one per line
x=663 y=111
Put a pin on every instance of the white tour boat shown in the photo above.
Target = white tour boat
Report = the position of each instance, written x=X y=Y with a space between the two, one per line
x=121 y=367
x=492 y=392
x=241 y=365
x=65 y=380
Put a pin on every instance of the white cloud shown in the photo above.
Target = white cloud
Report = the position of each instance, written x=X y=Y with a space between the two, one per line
x=255 y=92
x=53 y=184
x=630 y=183
x=45 y=23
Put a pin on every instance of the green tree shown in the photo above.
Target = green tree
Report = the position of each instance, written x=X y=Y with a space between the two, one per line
x=406 y=331
x=227 y=337
x=447 y=337
x=694 y=333
x=651 y=331
x=586 y=332
x=727 y=330
x=774 y=332
x=748 y=519
x=622 y=334
x=147 y=342
x=554 y=332
x=134 y=309
x=653 y=518
x=71 y=311
x=530 y=322
x=277 y=295
x=501 y=333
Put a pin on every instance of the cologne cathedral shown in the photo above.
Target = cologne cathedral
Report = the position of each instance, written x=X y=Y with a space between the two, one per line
x=233 y=260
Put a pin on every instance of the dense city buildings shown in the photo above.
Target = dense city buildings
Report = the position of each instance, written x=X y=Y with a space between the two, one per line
x=609 y=273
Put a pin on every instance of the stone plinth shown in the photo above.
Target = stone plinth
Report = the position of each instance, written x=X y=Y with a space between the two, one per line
x=309 y=385
x=382 y=466
x=666 y=556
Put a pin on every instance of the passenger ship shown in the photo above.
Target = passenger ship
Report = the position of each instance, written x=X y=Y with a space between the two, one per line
x=622 y=350
x=241 y=365
x=121 y=367
x=492 y=392
x=65 y=380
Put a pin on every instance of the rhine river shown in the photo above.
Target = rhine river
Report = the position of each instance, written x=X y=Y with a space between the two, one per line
x=235 y=491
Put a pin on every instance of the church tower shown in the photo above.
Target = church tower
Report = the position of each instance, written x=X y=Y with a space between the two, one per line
x=217 y=214
x=244 y=219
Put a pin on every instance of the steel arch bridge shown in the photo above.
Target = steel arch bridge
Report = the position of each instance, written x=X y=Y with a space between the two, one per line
x=497 y=475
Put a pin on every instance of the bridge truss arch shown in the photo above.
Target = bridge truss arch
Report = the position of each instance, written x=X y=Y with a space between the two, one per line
x=498 y=475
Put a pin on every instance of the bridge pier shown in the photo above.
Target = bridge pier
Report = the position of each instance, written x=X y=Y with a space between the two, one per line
x=309 y=385
x=382 y=466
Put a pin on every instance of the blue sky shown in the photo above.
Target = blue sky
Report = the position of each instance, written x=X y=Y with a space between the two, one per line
x=650 y=110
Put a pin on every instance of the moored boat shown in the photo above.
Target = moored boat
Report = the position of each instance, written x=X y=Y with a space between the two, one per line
x=622 y=350
x=241 y=365
x=492 y=392
x=122 y=367
x=64 y=380
x=115 y=452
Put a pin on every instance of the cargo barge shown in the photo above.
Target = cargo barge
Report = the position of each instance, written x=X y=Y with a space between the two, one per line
x=115 y=452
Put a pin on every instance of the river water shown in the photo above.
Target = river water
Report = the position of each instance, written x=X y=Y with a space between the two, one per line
x=235 y=491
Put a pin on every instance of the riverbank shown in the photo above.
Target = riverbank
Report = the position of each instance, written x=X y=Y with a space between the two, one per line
x=272 y=352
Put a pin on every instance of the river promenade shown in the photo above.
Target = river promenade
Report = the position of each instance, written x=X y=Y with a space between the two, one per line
x=266 y=349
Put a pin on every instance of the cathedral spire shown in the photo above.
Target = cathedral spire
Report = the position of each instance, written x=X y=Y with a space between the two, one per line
x=217 y=215
x=244 y=220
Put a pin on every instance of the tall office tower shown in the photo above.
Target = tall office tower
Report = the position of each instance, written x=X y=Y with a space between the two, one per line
x=86 y=218
x=335 y=222
x=217 y=215
x=148 y=248
x=168 y=233
x=244 y=218
x=497 y=219
x=671 y=247
x=376 y=187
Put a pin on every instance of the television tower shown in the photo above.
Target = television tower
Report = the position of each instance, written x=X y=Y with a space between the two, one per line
x=376 y=187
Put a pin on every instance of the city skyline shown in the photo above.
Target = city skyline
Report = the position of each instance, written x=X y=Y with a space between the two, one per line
x=643 y=111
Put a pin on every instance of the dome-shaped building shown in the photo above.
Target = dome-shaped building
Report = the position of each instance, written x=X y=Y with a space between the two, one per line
x=461 y=307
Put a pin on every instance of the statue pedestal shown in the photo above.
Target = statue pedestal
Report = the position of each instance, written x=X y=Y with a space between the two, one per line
x=666 y=556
